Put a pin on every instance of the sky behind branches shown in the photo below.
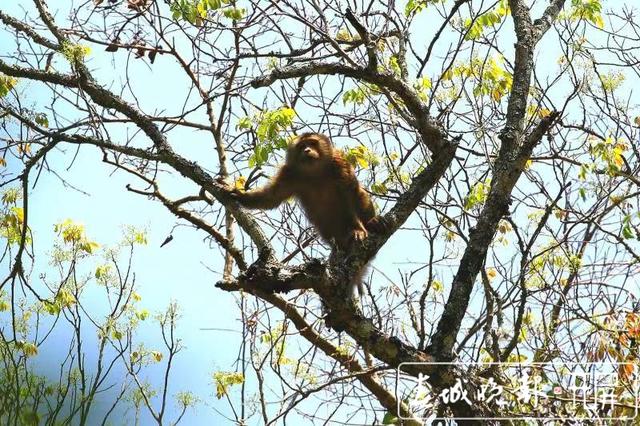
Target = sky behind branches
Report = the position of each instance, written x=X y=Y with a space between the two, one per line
x=186 y=269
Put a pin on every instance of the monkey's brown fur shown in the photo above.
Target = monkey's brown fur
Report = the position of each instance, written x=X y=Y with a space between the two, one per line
x=325 y=185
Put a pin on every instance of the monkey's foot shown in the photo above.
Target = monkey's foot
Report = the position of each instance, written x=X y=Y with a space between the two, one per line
x=358 y=235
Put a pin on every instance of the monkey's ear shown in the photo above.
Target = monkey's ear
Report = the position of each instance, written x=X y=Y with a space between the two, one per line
x=293 y=140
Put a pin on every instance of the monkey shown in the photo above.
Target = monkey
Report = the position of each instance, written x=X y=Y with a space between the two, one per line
x=326 y=187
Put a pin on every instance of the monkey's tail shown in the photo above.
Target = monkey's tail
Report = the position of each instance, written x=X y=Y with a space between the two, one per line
x=357 y=283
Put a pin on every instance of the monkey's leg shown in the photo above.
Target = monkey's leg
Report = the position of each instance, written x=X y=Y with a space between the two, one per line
x=377 y=224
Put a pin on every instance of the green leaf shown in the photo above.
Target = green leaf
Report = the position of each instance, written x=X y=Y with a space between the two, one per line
x=260 y=155
x=627 y=232
x=477 y=195
x=356 y=96
x=235 y=13
x=379 y=188
x=10 y=196
x=224 y=380
x=583 y=194
x=589 y=10
x=390 y=419
x=6 y=84
x=29 y=349
x=491 y=18
x=394 y=65
x=272 y=123
x=42 y=119
x=416 y=6
x=244 y=123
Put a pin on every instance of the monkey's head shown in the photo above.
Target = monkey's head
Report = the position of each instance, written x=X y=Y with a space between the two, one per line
x=309 y=152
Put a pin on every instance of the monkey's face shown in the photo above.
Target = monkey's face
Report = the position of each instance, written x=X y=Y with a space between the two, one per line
x=308 y=151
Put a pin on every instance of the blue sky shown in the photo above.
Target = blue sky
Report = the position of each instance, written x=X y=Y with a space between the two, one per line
x=186 y=269
x=180 y=271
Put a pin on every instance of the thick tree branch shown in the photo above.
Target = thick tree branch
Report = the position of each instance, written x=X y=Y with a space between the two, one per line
x=480 y=236
x=366 y=38
x=515 y=150
x=548 y=16
x=431 y=133
x=386 y=398
x=266 y=276
x=188 y=169
x=29 y=31
x=522 y=69
x=406 y=205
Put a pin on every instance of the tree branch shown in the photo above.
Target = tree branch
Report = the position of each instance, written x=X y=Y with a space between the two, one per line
x=431 y=133
x=364 y=35
x=480 y=236
x=29 y=31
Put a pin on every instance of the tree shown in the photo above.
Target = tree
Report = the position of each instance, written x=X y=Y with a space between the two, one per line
x=502 y=147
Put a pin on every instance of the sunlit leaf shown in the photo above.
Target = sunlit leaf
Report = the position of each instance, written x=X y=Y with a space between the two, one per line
x=224 y=380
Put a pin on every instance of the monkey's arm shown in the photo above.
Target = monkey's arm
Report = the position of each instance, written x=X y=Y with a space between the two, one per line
x=359 y=199
x=269 y=196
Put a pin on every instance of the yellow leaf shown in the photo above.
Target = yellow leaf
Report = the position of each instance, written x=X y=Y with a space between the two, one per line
x=102 y=271
x=239 y=183
x=65 y=298
x=544 y=112
x=599 y=21
x=24 y=148
x=89 y=246
x=560 y=214
x=491 y=273
x=343 y=35
x=224 y=380
x=19 y=214
x=29 y=349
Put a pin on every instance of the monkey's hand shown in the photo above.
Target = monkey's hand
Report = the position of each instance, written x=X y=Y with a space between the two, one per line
x=229 y=190
x=377 y=224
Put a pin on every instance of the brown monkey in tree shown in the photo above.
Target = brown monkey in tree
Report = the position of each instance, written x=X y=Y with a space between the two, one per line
x=325 y=185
